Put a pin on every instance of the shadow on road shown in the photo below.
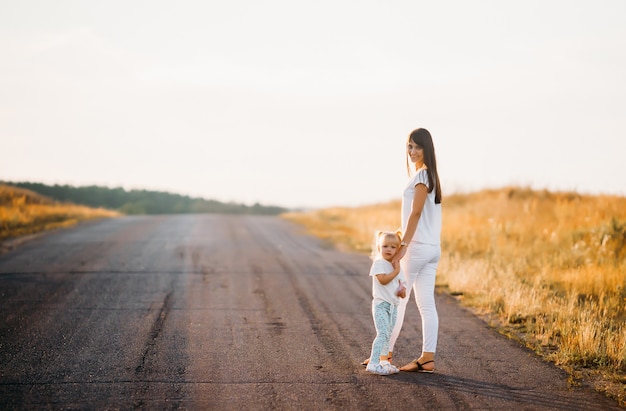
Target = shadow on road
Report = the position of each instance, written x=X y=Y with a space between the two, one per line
x=503 y=393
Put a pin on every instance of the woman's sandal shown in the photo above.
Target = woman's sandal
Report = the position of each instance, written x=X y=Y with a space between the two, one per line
x=418 y=367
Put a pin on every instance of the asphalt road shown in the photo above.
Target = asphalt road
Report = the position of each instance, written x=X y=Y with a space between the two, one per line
x=234 y=312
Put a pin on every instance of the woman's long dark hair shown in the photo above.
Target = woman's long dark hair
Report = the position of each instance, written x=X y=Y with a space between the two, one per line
x=422 y=138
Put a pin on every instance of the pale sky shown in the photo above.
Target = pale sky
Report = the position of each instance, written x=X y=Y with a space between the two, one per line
x=309 y=103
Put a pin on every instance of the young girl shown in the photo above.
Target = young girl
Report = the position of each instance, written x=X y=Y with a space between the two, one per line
x=387 y=290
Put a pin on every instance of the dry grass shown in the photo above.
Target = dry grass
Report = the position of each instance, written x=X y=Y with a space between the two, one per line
x=548 y=269
x=25 y=212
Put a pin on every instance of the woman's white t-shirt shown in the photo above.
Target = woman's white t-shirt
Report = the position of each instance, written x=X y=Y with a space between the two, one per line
x=429 y=225
x=385 y=292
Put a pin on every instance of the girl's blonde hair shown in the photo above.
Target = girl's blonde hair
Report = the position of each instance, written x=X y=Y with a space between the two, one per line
x=379 y=236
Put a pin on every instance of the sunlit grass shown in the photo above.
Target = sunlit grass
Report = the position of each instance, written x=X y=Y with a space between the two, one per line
x=24 y=212
x=548 y=269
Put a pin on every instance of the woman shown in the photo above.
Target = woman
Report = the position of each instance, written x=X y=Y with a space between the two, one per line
x=420 y=248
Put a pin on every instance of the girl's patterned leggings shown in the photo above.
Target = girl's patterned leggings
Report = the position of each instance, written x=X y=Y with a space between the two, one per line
x=384 y=319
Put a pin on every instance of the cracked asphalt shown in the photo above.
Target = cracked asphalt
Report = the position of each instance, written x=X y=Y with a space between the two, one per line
x=222 y=312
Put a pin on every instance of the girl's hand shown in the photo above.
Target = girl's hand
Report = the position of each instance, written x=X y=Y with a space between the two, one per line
x=401 y=290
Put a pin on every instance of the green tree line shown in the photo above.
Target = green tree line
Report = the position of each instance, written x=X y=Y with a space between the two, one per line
x=143 y=201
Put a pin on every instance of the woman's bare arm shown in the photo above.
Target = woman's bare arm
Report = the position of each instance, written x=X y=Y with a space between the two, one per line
x=416 y=211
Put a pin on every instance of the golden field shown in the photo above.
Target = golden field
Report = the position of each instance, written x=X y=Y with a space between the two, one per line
x=547 y=269
x=25 y=212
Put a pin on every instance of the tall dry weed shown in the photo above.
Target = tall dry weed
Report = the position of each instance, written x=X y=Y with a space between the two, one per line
x=25 y=212
x=549 y=267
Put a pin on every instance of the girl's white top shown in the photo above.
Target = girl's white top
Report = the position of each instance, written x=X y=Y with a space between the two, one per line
x=429 y=225
x=385 y=292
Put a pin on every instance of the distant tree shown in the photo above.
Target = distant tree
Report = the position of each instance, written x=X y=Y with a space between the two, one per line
x=142 y=201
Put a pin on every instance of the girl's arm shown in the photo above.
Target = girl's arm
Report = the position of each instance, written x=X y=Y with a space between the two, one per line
x=385 y=279
x=416 y=211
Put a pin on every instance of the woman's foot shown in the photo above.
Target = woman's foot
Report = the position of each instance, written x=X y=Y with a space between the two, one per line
x=416 y=366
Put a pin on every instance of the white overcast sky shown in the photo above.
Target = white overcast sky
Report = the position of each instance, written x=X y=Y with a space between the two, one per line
x=309 y=103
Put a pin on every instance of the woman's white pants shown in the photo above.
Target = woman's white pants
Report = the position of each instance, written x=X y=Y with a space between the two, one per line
x=419 y=265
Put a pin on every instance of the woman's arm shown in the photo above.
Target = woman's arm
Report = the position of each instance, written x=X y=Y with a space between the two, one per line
x=416 y=211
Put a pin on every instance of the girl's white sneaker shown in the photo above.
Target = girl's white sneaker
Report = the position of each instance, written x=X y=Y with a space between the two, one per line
x=382 y=368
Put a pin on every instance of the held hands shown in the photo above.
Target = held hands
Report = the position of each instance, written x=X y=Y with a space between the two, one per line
x=396 y=258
